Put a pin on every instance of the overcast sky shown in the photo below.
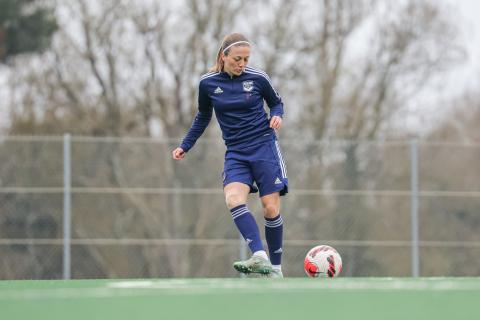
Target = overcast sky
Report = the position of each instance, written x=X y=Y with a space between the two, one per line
x=469 y=25
x=465 y=13
x=434 y=103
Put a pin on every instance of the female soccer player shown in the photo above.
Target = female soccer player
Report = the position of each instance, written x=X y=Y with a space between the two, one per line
x=237 y=93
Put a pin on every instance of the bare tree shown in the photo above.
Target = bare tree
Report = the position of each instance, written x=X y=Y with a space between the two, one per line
x=355 y=91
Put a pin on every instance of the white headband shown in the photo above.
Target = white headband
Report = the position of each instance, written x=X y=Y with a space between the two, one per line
x=235 y=43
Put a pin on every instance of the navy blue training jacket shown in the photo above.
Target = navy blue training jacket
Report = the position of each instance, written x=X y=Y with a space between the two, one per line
x=238 y=104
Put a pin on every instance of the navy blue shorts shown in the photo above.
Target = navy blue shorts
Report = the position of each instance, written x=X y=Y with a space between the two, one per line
x=261 y=164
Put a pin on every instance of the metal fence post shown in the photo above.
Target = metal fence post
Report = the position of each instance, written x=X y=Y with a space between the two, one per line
x=66 y=206
x=414 y=207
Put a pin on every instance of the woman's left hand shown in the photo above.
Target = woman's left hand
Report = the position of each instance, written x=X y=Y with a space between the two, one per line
x=275 y=122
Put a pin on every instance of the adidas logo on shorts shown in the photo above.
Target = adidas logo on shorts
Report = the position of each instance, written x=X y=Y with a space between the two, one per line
x=278 y=181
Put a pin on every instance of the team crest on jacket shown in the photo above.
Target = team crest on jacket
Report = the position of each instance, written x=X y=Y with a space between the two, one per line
x=247 y=85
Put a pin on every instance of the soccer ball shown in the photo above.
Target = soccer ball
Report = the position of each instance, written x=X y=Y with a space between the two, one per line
x=323 y=261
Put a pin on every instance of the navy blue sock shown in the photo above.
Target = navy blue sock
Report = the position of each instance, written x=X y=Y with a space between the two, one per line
x=247 y=226
x=274 y=236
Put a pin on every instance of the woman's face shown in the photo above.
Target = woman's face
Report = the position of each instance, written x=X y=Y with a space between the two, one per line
x=236 y=60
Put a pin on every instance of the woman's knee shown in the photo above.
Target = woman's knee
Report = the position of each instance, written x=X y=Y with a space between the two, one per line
x=236 y=194
x=234 y=199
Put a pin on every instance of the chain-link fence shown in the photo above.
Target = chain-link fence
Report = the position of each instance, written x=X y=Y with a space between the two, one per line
x=121 y=208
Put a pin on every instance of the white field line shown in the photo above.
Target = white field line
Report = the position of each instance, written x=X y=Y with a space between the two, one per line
x=139 y=288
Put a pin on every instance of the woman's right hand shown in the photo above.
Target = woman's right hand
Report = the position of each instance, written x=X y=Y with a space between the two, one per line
x=178 y=154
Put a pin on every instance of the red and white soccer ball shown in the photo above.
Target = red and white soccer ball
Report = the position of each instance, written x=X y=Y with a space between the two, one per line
x=323 y=261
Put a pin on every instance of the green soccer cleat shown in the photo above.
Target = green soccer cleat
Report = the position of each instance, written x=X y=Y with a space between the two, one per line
x=275 y=274
x=255 y=264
